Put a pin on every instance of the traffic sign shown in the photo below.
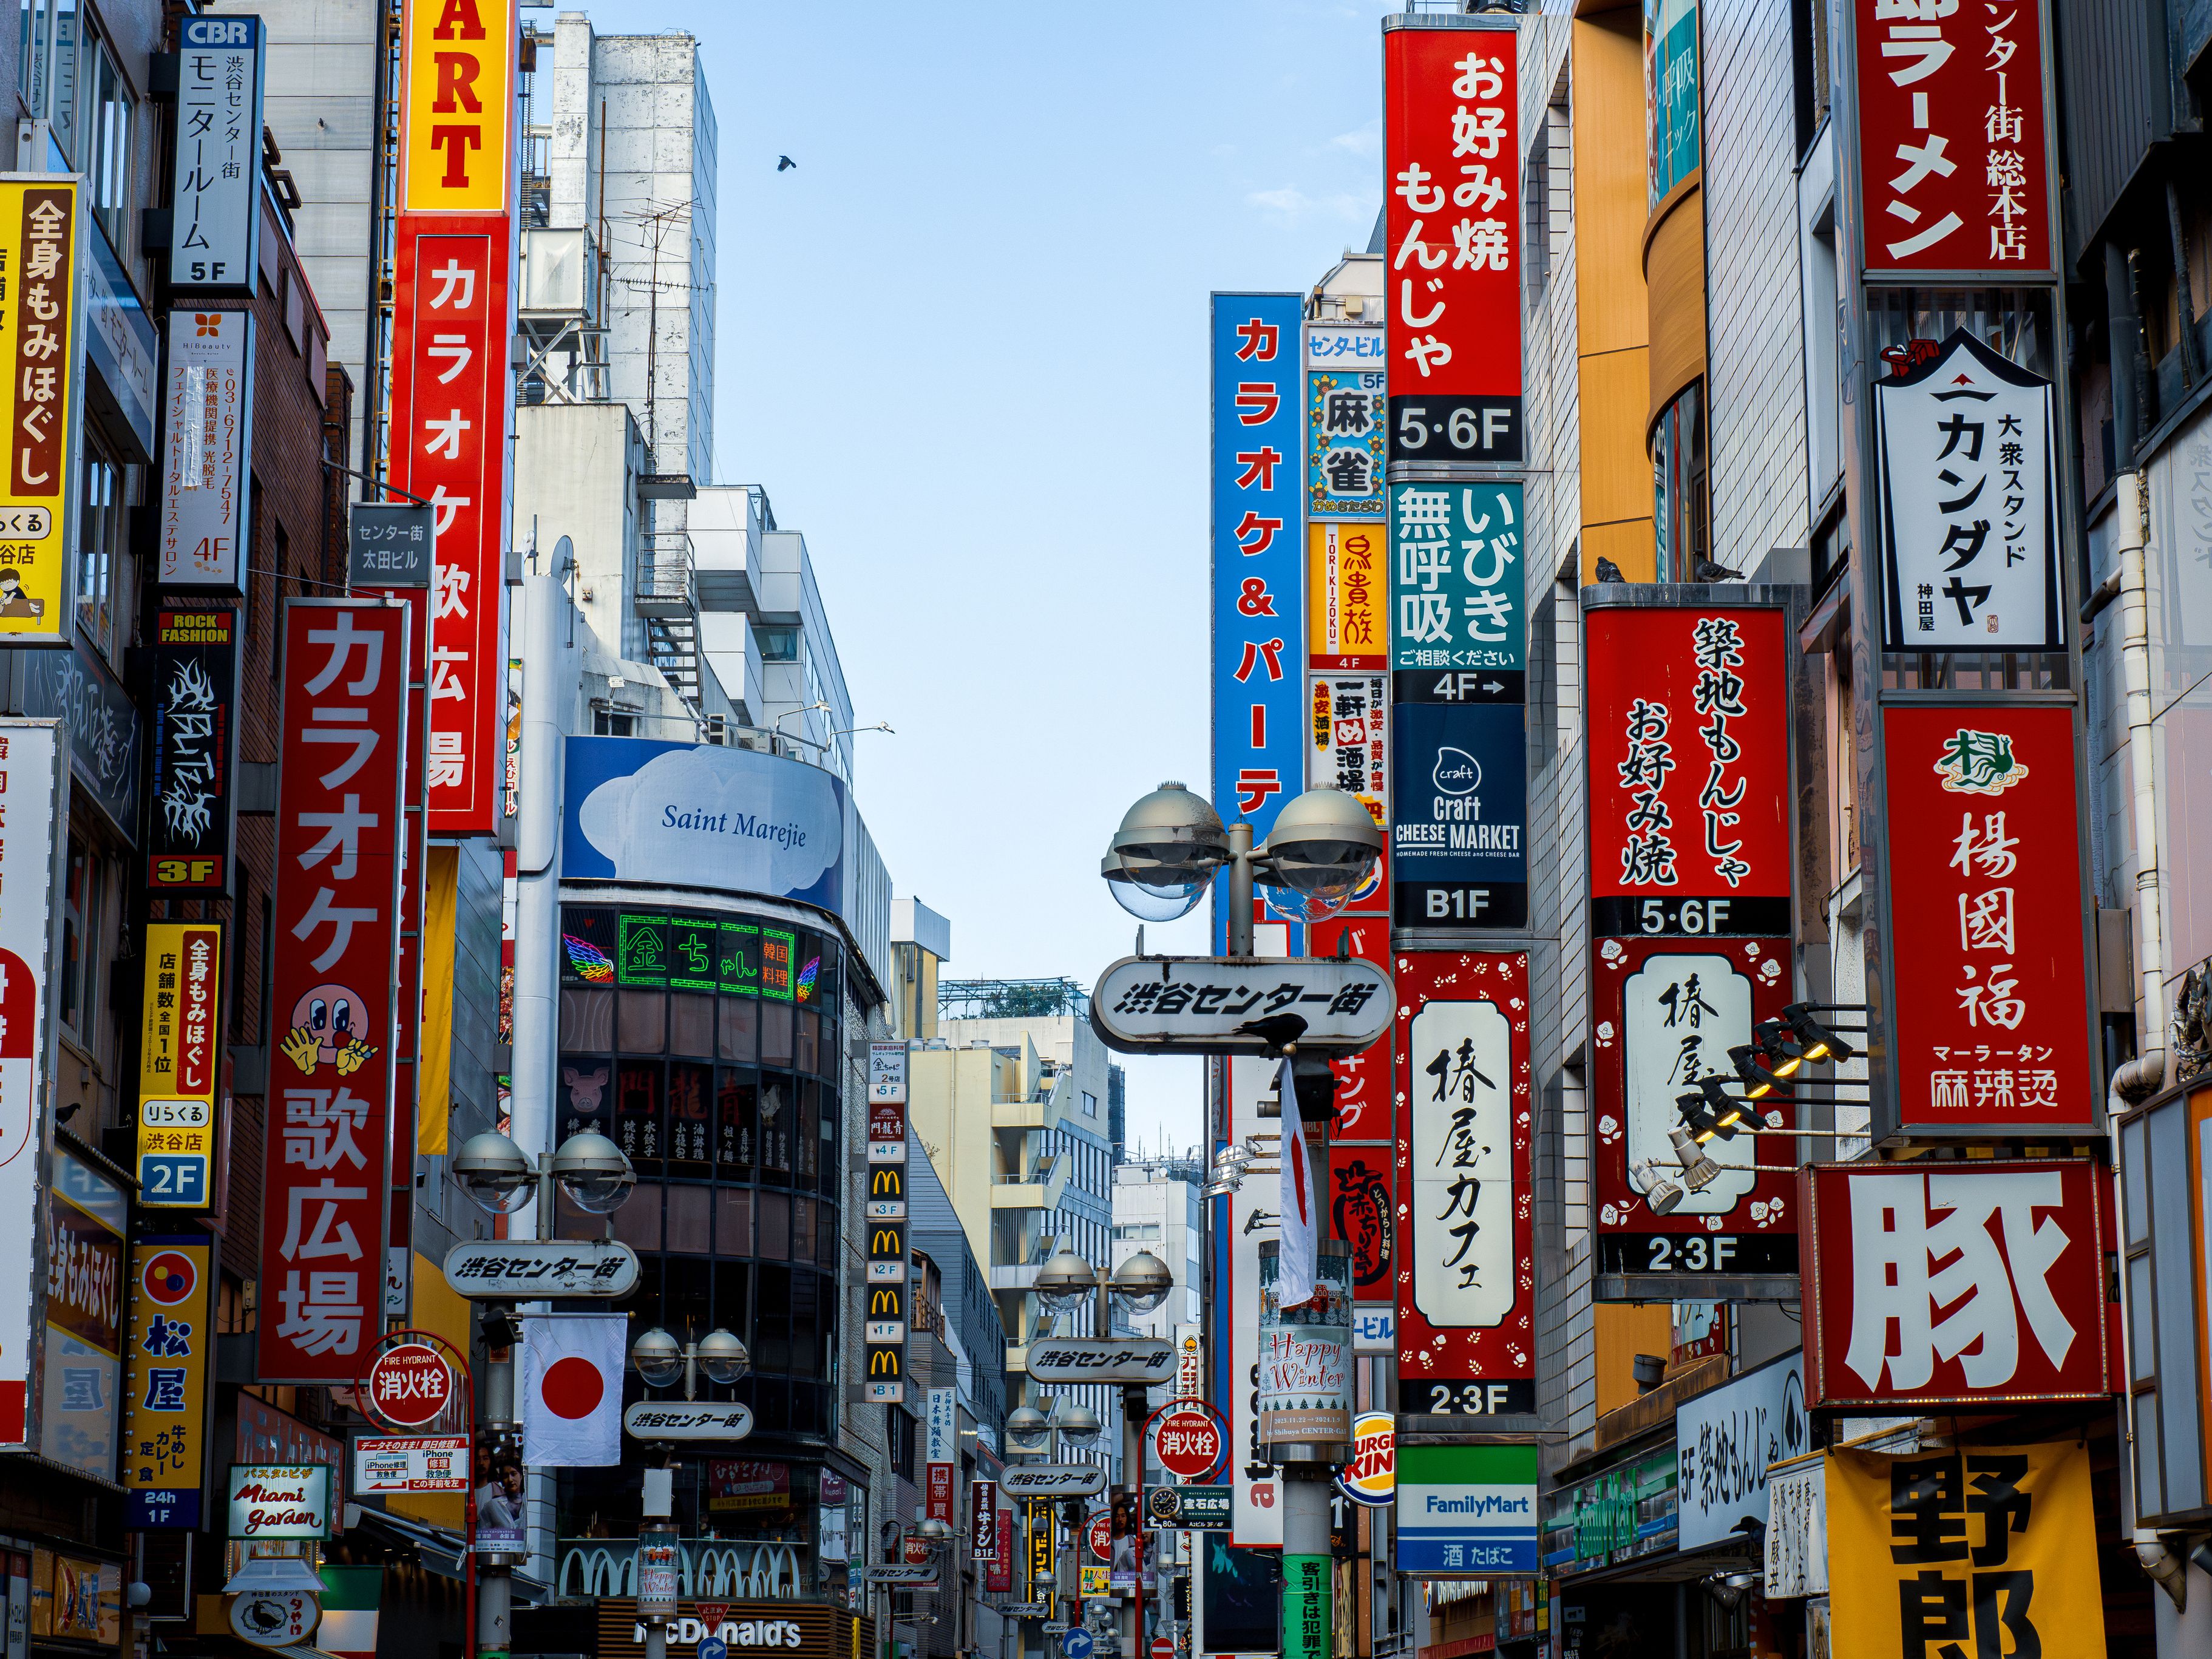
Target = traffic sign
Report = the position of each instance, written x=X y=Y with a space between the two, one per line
x=409 y=1384
x=1100 y=1536
x=1209 y=1005
x=1164 y=1647
x=713 y=1647
x=1187 y=1441
x=1078 y=1644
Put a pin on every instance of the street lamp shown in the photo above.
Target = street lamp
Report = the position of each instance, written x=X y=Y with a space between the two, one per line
x=1172 y=844
x=1142 y=1282
x=660 y=1360
x=498 y=1178
x=1028 y=1428
x=1078 y=1426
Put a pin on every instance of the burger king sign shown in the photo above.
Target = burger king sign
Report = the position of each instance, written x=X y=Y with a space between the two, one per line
x=1372 y=1476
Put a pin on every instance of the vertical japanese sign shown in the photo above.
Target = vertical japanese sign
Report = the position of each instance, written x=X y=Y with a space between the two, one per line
x=339 y=824
x=1977 y=1550
x=1345 y=412
x=191 y=829
x=1466 y=1271
x=215 y=230
x=1953 y=151
x=180 y=1052
x=1672 y=107
x=1363 y=1079
x=941 y=1446
x=165 y=1380
x=1042 y=1587
x=1969 y=504
x=457 y=103
x=1256 y=1512
x=449 y=423
x=207 y=442
x=1951 y=1285
x=1451 y=215
x=33 y=779
x=1988 y=946
x=1347 y=623
x=999 y=1577
x=885 y=1215
x=81 y=1384
x=1259 y=610
x=41 y=374
x=983 y=1520
x=1348 y=729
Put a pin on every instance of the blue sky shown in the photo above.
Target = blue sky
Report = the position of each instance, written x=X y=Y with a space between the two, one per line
x=962 y=345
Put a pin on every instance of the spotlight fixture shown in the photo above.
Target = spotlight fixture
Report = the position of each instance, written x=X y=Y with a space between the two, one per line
x=1663 y=1193
x=1758 y=1082
x=1821 y=1044
x=1698 y=1172
x=1711 y=1113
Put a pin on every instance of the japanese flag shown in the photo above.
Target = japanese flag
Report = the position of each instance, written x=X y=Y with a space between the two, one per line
x=1294 y=1267
x=571 y=1387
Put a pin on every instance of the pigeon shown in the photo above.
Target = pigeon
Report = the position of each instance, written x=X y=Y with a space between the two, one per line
x=1710 y=572
x=784 y=161
x=1278 y=1031
x=1608 y=571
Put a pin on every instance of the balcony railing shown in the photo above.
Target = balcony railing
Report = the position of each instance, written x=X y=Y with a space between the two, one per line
x=711 y=1569
x=667 y=575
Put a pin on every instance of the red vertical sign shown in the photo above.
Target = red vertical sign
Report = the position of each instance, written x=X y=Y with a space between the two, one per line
x=1986 y=942
x=449 y=423
x=1452 y=220
x=339 y=820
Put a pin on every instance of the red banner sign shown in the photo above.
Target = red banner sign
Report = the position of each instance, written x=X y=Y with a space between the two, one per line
x=1953 y=151
x=449 y=424
x=1987 y=949
x=1363 y=1080
x=939 y=1494
x=1688 y=740
x=336 y=956
x=998 y=1578
x=1957 y=1284
x=1452 y=217
x=1466 y=1283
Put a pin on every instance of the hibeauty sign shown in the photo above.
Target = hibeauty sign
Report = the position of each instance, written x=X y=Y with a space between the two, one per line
x=687 y=814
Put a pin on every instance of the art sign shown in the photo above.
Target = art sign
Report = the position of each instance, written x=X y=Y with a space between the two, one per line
x=338 y=829
x=1968 y=499
x=179 y=1053
x=1466 y=1271
x=1988 y=949
x=207 y=447
x=1966 y=1286
x=193 y=827
x=456 y=106
x=1451 y=156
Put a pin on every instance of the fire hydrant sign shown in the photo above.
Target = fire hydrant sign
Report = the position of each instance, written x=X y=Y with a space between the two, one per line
x=410 y=1384
x=279 y=1500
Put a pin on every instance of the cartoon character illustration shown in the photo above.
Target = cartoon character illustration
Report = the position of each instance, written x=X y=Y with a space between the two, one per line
x=14 y=601
x=325 y=1031
x=586 y=1089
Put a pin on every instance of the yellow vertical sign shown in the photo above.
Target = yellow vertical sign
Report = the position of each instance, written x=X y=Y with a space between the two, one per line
x=40 y=353
x=1978 y=1550
x=179 y=1050
x=165 y=1380
x=1347 y=575
x=456 y=106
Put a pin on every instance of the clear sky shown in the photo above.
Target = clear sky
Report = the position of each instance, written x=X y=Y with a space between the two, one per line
x=962 y=345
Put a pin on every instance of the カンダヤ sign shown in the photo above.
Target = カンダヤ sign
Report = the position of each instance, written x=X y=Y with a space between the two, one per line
x=1960 y=1284
x=1988 y=950
x=179 y=1050
x=214 y=229
x=1466 y=1272
x=194 y=740
x=1953 y=152
x=338 y=827
x=1451 y=157
x=1968 y=503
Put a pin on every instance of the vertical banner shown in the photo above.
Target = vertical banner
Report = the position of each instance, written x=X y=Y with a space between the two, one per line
x=214 y=227
x=1451 y=161
x=1688 y=748
x=81 y=1384
x=449 y=423
x=1459 y=659
x=983 y=1520
x=1349 y=749
x=1363 y=1080
x=1255 y=1513
x=1041 y=1564
x=1988 y=945
x=885 y=1215
x=1953 y=151
x=206 y=446
x=339 y=824
x=41 y=377
x=1347 y=582
x=999 y=1577
x=1258 y=608
x=1466 y=1268
x=1345 y=458
x=941 y=1449
x=35 y=781
x=165 y=1380
x=193 y=824
x=179 y=1053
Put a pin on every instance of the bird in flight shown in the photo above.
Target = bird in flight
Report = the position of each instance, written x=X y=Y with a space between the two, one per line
x=783 y=161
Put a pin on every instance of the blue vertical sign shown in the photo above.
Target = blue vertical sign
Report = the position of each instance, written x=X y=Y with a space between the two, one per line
x=1259 y=567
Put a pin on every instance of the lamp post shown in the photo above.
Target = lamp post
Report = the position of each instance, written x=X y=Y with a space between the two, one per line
x=498 y=1178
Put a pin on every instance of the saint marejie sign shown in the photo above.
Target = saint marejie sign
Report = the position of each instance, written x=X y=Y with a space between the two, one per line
x=1240 y=1006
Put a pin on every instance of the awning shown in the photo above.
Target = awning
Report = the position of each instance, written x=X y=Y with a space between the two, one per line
x=439 y=1549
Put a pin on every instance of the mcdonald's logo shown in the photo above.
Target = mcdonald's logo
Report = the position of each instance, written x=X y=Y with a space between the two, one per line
x=887 y=1180
x=884 y=1242
x=884 y=1302
x=884 y=1362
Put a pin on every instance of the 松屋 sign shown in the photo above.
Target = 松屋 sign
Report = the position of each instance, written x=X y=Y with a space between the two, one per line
x=1953 y=1284
x=279 y=1500
x=170 y=1346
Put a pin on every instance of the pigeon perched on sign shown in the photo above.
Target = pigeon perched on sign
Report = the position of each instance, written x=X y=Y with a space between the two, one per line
x=1710 y=572
x=1608 y=571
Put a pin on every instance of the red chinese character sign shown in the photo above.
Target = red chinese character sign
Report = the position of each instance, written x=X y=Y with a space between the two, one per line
x=1953 y=153
x=409 y=1384
x=1948 y=1284
x=1451 y=218
x=1988 y=945
x=449 y=446
x=336 y=956
x=1466 y=1271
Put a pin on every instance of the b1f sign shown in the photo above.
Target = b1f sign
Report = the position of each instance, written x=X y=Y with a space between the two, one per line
x=214 y=228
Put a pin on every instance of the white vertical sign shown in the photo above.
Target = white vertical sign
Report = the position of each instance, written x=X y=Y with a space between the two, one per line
x=33 y=781
x=207 y=435
x=1681 y=1015
x=214 y=228
x=1256 y=1514
x=1463 y=1159
x=942 y=1444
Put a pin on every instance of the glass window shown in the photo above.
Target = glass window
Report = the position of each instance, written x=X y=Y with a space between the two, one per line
x=637 y=1113
x=1678 y=462
x=733 y=1226
x=772 y=1320
x=36 y=46
x=62 y=101
x=732 y=1282
x=80 y=932
x=737 y=1111
x=806 y=1292
x=637 y=1223
x=779 y=642
x=776 y=1111
x=776 y=1039
x=808 y=1048
x=99 y=545
x=691 y=1147
x=775 y=1210
x=740 y=1030
x=642 y=1026
x=691 y=1023
x=587 y=1019
x=107 y=144
x=691 y=1218
x=805 y=1140
x=582 y=1094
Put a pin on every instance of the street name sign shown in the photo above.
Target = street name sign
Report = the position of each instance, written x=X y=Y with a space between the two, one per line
x=1209 y=1005
x=1147 y=1359
x=688 y=1420
x=501 y=1269
x=1053 y=1481
x=1202 y=1509
x=894 y=1572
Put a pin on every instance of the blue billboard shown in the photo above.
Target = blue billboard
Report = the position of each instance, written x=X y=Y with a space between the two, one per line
x=1259 y=567
x=1459 y=814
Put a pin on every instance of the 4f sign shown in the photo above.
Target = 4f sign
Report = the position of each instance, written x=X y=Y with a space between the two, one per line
x=456 y=106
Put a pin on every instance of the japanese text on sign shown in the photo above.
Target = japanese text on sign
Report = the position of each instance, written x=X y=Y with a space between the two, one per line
x=39 y=355
x=214 y=231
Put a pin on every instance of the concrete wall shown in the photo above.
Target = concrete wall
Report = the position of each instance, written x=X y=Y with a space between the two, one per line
x=574 y=468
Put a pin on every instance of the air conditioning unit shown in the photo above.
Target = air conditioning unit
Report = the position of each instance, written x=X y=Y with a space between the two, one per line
x=718 y=730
